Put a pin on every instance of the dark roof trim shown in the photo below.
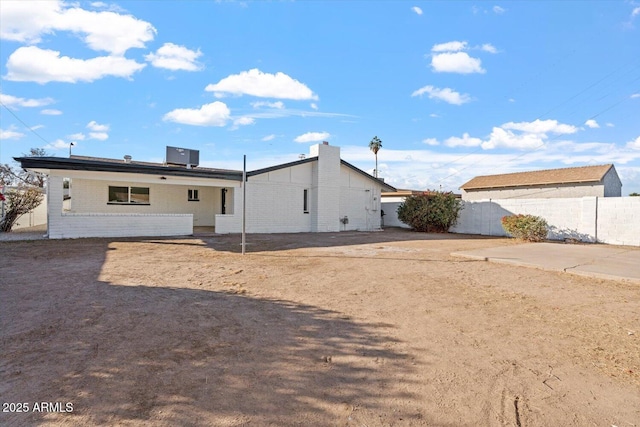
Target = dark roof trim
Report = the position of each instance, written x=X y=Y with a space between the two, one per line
x=363 y=173
x=60 y=163
x=282 y=166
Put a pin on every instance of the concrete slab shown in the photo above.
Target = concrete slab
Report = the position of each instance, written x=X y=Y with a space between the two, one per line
x=601 y=261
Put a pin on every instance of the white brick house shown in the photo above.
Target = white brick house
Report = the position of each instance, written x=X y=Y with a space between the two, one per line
x=115 y=198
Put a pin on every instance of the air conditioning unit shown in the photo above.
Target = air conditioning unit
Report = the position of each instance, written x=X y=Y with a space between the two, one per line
x=183 y=157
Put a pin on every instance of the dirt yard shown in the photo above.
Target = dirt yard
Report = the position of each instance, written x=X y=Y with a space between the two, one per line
x=353 y=329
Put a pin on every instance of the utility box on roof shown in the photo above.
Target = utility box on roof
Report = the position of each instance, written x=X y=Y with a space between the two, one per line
x=183 y=156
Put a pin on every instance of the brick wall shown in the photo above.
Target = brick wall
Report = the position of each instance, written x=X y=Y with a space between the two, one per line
x=613 y=220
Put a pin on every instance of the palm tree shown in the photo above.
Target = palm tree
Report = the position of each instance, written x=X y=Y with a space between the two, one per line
x=375 y=145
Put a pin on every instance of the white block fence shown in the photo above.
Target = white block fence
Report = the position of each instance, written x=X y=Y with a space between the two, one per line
x=613 y=220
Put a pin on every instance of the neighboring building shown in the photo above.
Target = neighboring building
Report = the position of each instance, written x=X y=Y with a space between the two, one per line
x=600 y=181
x=116 y=198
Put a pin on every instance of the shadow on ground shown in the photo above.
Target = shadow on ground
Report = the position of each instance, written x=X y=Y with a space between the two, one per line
x=179 y=356
x=288 y=241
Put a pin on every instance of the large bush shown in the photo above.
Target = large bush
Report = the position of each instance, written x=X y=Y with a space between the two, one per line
x=526 y=227
x=431 y=211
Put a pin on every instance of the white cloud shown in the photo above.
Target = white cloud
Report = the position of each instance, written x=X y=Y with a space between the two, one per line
x=214 y=114
x=541 y=126
x=417 y=10
x=488 y=47
x=610 y=125
x=256 y=83
x=465 y=141
x=312 y=137
x=10 y=100
x=175 y=57
x=434 y=115
x=458 y=62
x=36 y=127
x=635 y=144
x=453 y=46
x=10 y=134
x=96 y=127
x=258 y=104
x=635 y=12
x=58 y=144
x=506 y=138
x=592 y=124
x=269 y=137
x=499 y=10
x=51 y=112
x=32 y=64
x=635 y=95
x=76 y=137
x=314 y=106
x=27 y=21
x=100 y=136
x=244 y=121
x=431 y=141
x=445 y=94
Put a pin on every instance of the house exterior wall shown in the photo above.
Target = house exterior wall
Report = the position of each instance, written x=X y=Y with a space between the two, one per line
x=614 y=220
x=538 y=192
x=91 y=196
x=359 y=201
x=612 y=184
x=275 y=199
x=95 y=220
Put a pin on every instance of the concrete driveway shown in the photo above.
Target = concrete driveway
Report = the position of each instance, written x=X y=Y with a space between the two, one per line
x=601 y=261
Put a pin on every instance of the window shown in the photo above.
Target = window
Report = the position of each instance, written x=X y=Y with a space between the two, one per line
x=223 y=201
x=305 y=201
x=193 y=196
x=129 y=195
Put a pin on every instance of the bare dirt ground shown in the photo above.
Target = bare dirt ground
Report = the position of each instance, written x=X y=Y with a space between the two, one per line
x=354 y=329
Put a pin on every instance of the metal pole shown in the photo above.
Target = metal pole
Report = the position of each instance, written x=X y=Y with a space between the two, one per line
x=244 y=202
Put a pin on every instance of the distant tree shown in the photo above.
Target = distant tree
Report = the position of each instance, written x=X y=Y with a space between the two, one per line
x=25 y=194
x=635 y=194
x=11 y=176
x=375 y=145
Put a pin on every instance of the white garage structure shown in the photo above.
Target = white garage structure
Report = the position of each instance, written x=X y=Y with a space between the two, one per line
x=116 y=198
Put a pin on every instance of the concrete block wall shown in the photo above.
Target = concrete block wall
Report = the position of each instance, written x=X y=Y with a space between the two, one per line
x=613 y=220
x=38 y=216
x=390 y=207
x=619 y=220
x=75 y=225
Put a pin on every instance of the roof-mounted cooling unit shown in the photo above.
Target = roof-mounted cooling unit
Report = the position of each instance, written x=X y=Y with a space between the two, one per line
x=183 y=156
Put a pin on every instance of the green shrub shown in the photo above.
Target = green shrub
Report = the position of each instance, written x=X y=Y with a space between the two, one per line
x=526 y=227
x=431 y=211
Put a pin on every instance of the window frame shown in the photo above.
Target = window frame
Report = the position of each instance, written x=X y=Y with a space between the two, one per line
x=305 y=201
x=129 y=201
x=193 y=195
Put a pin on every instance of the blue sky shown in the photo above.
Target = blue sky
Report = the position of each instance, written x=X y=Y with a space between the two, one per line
x=453 y=89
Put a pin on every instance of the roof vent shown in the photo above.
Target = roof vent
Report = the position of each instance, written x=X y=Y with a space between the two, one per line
x=325 y=142
x=127 y=159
